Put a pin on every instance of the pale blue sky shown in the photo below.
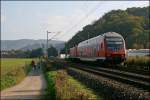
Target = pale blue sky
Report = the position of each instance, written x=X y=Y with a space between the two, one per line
x=31 y=19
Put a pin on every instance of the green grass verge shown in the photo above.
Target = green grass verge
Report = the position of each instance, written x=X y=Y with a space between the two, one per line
x=13 y=71
x=82 y=92
x=61 y=86
x=50 y=91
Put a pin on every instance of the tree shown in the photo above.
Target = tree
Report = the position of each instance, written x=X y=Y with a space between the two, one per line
x=36 y=53
x=52 y=52
x=132 y=24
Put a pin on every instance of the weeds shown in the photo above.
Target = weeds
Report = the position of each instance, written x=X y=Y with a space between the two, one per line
x=66 y=87
x=142 y=61
x=50 y=91
x=138 y=63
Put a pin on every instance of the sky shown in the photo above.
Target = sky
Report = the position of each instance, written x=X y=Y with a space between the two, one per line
x=32 y=19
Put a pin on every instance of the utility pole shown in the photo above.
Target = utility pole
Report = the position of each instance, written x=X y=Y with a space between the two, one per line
x=50 y=39
x=47 y=44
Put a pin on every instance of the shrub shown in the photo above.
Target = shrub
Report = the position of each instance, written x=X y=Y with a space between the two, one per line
x=50 y=91
x=138 y=63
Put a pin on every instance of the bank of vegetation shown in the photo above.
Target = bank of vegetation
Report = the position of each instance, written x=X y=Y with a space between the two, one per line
x=132 y=24
x=137 y=64
x=13 y=71
x=66 y=83
x=61 y=86
x=138 y=61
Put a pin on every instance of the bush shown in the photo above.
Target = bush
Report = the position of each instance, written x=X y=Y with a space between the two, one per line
x=138 y=63
x=50 y=91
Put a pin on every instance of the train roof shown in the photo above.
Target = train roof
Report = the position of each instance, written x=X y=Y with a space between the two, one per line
x=86 y=41
x=112 y=34
x=108 y=34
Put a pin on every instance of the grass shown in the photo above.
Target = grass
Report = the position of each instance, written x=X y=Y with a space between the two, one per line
x=61 y=86
x=13 y=70
x=50 y=91
x=142 y=61
x=138 y=64
x=68 y=88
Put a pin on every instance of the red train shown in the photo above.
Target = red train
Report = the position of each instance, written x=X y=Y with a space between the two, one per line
x=107 y=47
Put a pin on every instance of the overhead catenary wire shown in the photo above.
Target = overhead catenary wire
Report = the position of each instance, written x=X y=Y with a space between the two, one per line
x=55 y=35
x=83 y=19
x=70 y=21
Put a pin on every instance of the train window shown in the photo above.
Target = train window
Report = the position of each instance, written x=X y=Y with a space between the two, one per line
x=114 y=42
x=113 y=39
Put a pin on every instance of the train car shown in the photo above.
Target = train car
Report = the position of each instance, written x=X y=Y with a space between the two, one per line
x=108 y=47
x=73 y=52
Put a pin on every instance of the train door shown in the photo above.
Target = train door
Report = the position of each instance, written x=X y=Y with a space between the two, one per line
x=101 y=48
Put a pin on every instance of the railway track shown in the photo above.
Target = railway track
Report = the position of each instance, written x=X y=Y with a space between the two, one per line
x=115 y=84
x=136 y=80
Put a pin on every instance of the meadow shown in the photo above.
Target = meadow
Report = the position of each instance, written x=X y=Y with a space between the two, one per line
x=13 y=70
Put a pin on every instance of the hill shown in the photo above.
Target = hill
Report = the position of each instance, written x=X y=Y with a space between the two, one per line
x=132 y=24
x=29 y=44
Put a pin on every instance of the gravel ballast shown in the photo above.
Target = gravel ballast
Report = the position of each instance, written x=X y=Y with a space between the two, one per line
x=111 y=89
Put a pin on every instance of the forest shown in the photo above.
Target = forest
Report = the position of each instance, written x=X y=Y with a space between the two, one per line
x=132 y=24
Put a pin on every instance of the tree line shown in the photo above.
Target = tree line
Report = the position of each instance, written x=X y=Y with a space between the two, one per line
x=132 y=24
x=29 y=53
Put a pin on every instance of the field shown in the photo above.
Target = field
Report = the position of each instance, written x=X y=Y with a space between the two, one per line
x=13 y=71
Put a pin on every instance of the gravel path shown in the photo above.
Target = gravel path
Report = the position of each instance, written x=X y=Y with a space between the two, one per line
x=32 y=87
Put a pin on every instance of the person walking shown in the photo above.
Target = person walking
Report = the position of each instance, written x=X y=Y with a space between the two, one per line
x=33 y=64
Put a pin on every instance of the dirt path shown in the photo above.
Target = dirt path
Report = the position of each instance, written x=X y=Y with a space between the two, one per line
x=32 y=87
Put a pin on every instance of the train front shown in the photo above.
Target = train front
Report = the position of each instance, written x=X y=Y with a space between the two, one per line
x=115 y=48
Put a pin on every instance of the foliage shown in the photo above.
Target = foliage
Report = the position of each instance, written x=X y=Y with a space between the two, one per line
x=50 y=91
x=22 y=53
x=52 y=52
x=13 y=71
x=66 y=87
x=36 y=53
x=132 y=24
x=138 y=63
x=142 y=61
x=15 y=54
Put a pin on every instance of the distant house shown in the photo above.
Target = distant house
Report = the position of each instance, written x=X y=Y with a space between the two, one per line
x=4 y=52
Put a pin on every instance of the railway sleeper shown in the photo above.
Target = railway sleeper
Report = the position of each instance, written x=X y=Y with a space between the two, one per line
x=137 y=83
